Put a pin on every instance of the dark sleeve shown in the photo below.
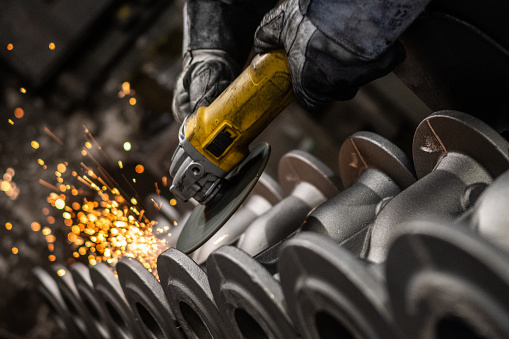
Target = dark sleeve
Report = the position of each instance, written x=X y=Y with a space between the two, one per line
x=364 y=27
x=225 y=25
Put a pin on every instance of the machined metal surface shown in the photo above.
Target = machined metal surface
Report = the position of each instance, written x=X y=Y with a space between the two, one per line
x=50 y=292
x=330 y=293
x=116 y=308
x=249 y=297
x=445 y=281
x=187 y=290
x=146 y=298
x=297 y=166
x=453 y=170
x=373 y=170
x=264 y=195
x=95 y=316
x=490 y=216
x=308 y=183
x=448 y=132
x=204 y=221
x=365 y=150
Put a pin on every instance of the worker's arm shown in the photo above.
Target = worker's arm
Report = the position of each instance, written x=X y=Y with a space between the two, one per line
x=336 y=46
x=218 y=36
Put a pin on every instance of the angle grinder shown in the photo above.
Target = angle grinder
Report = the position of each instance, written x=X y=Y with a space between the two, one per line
x=213 y=163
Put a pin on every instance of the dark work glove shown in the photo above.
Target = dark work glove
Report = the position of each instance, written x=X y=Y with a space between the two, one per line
x=206 y=74
x=322 y=68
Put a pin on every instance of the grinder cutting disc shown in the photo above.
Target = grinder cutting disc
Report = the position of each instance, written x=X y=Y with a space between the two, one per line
x=205 y=220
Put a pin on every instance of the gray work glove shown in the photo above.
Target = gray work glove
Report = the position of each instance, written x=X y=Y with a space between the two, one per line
x=322 y=69
x=206 y=74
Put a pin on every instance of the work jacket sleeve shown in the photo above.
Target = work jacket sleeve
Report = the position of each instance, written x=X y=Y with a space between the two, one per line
x=224 y=25
x=364 y=27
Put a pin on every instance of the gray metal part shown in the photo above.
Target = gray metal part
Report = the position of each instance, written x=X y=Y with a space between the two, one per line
x=114 y=303
x=250 y=299
x=274 y=225
x=365 y=150
x=455 y=156
x=373 y=170
x=75 y=304
x=329 y=289
x=185 y=283
x=456 y=132
x=308 y=183
x=81 y=275
x=146 y=298
x=299 y=166
x=234 y=228
x=445 y=281
x=490 y=215
x=442 y=193
x=346 y=217
x=264 y=195
x=50 y=292
x=268 y=188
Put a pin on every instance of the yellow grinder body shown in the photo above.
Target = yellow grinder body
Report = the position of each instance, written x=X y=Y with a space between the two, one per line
x=215 y=139
x=223 y=131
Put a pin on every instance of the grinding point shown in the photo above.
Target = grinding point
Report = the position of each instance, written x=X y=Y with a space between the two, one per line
x=204 y=221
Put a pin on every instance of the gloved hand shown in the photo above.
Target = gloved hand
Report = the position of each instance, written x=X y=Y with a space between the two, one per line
x=206 y=74
x=322 y=68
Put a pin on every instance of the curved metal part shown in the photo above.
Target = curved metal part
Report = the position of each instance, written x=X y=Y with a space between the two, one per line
x=332 y=294
x=456 y=179
x=346 y=217
x=50 y=292
x=373 y=170
x=204 y=221
x=146 y=298
x=268 y=188
x=95 y=316
x=446 y=282
x=365 y=150
x=264 y=195
x=187 y=290
x=250 y=298
x=72 y=299
x=308 y=183
x=120 y=317
x=447 y=132
x=298 y=166
x=490 y=215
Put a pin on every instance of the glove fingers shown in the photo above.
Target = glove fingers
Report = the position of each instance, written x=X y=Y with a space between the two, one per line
x=210 y=95
x=268 y=33
x=209 y=80
x=181 y=106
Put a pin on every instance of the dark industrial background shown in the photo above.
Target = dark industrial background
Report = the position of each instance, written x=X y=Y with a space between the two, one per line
x=98 y=46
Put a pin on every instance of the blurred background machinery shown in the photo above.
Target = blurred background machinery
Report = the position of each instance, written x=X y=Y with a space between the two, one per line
x=110 y=66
